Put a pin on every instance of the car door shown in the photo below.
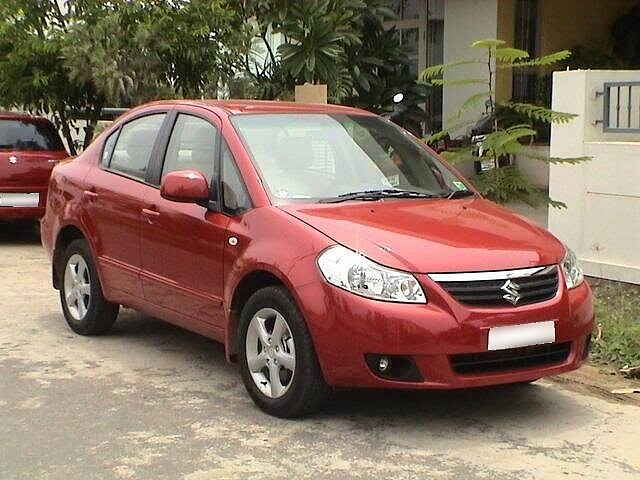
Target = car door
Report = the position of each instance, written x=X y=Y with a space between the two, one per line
x=183 y=244
x=114 y=200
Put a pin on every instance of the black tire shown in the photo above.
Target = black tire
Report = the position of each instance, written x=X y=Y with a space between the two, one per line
x=101 y=314
x=308 y=390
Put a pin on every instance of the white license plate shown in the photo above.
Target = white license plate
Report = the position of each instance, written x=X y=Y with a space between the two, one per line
x=515 y=336
x=19 y=199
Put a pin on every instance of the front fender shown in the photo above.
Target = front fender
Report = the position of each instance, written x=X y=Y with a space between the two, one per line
x=271 y=241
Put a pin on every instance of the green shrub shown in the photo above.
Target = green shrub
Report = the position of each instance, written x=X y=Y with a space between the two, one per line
x=617 y=307
x=512 y=123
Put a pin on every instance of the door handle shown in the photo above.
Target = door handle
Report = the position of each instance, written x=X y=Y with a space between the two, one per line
x=150 y=214
x=89 y=195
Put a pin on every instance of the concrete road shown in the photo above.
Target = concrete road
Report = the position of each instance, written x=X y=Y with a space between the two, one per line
x=151 y=401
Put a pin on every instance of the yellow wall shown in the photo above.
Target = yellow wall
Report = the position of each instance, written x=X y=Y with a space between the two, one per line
x=506 y=30
x=567 y=23
x=564 y=24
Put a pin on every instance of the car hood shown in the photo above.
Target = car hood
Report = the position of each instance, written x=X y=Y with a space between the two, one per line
x=435 y=235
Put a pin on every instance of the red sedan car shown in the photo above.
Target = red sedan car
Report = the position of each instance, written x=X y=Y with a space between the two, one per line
x=324 y=246
x=29 y=149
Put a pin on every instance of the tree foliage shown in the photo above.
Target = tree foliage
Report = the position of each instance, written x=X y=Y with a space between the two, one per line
x=511 y=123
x=70 y=59
x=341 y=43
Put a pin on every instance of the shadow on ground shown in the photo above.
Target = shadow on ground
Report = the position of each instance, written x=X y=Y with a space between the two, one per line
x=160 y=344
x=19 y=233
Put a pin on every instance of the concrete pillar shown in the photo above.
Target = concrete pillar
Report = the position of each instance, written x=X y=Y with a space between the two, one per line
x=602 y=219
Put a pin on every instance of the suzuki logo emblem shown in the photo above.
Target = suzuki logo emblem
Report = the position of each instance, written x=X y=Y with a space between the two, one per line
x=13 y=160
x=512 y=291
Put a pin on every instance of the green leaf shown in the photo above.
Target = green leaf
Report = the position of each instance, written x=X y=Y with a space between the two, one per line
x=439 y=82
x=488 y=43
x=507 y=184
x=459 y=155
x=364 y=82
x=539 y=113
x=437 y=70
x=510 y=54
x=473 y=101
x=542 y=61
x=557 y=160
x=447 y=131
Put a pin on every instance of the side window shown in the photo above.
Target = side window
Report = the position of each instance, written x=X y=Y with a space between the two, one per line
x=192 y=146
x=108 y=148
x=234 y=193
x=133 y=149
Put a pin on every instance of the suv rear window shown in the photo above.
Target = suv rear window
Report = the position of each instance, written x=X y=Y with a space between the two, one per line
x=26 y=135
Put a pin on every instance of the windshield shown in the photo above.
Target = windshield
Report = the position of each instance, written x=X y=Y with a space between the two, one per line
x=25 y=135
x=314 y=157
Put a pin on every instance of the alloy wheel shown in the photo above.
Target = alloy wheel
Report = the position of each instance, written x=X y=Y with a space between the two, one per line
x=270 y=352
x=77 y=286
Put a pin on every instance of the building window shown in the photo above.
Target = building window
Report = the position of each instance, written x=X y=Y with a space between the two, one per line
x=525 y=82
x=420 y=25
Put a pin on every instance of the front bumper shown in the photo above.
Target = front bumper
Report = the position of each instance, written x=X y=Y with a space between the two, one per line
x=346 y=327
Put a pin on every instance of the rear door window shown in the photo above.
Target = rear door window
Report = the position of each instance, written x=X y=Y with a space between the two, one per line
x=29 y=135
x=108 y=148
x=134 y=146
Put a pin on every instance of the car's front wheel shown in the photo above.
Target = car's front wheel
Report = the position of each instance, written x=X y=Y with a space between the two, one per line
x=278 y=363
x=84 y=306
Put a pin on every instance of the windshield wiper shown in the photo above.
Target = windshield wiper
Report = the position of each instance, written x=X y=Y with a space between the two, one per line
x=459 y=194
x=373 y=195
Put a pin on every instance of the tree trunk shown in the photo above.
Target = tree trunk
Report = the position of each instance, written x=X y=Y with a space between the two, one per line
x=66 y=132
x=93 y=116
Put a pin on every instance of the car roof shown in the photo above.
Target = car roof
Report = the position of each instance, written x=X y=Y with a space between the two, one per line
x=21 y=116
x=237 y=107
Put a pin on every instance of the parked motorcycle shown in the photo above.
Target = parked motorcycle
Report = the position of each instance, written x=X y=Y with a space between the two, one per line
x=478 y=134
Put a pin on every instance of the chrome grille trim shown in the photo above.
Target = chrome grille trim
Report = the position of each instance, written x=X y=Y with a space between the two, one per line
x=496 y=275
x=504 y=288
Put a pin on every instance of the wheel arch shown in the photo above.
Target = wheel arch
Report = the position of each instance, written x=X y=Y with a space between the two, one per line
x=250 y=283
x=66 y=235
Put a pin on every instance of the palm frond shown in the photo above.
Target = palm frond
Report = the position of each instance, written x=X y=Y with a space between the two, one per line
x=510 y=54
x=488 y=43
x=536 y=112
x=439 y=82
x=557 y=160
x=448 y=131
x=473 y=101
x=541 y=61
x=458 y=155
x=437 y=70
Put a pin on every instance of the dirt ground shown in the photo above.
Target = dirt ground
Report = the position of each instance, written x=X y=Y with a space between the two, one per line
x=151 y=401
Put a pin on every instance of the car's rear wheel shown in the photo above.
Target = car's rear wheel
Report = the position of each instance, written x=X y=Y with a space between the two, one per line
x=278 y=363
x=84 y=306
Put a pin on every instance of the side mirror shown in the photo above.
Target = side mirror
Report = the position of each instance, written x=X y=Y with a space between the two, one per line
x=185 y=186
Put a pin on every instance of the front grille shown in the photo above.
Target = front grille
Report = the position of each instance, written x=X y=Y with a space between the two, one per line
x=512 y=359
x=509 y=288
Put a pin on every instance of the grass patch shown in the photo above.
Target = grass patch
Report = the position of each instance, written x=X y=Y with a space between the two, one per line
x=617 y=308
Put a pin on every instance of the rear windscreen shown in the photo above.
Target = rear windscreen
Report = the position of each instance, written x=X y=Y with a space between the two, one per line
x=24 y=135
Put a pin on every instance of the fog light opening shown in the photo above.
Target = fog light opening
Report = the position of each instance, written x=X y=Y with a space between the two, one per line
x=393 y=367
x=383 y=364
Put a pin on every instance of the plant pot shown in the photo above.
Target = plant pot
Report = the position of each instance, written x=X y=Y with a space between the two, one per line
x=308 y=93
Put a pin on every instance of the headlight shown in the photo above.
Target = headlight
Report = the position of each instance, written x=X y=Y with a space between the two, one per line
x=346 y=269
x=572 y=272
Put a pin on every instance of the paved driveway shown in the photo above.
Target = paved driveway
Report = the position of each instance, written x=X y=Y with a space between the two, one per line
x=151 y=401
